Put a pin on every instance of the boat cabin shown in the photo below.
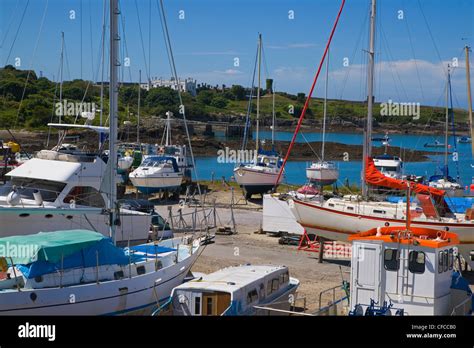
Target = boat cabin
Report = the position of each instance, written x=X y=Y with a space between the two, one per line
x=234 y=291
x=413 y=270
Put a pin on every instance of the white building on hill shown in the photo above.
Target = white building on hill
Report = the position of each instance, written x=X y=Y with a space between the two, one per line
x=187 y=85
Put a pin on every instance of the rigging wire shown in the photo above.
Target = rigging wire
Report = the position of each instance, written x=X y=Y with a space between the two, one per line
x=147 y=71
x=32 y=60
x=17 y=31
x=414 y=57
x=10 y=23
x=249 y=105
x=172 y=63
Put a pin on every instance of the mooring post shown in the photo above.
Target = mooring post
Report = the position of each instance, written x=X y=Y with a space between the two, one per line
x=170 y=216
x=232 y=210
x=214 y=213
x=321 y=249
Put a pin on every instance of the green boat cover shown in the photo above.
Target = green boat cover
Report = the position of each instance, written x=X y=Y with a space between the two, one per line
x=47 y=246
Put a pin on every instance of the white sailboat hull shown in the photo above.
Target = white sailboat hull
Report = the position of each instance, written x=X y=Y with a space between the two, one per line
x=134 y=226
x=256 y=180
x=137 y=295
x=151 y=184
x=339 y=225
x=324 y=176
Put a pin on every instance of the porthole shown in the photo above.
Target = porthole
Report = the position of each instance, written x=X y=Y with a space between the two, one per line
x=48 y=216
x=33 y=296
x=23 y=215
x=69 y=217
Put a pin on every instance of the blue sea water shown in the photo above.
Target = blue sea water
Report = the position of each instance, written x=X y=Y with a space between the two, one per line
x=208 y=167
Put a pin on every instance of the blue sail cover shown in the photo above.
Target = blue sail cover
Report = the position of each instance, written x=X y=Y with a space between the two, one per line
x=103 y=252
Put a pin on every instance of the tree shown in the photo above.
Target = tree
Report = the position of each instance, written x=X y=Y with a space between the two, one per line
x=301 y=97
x=238 y=92
x=219 y=102
x=163 y=96
x=205 y=97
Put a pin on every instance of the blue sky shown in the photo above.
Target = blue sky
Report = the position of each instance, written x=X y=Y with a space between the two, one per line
x=215 y=32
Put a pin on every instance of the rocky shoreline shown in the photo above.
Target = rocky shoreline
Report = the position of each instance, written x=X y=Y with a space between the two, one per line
x=209 y=147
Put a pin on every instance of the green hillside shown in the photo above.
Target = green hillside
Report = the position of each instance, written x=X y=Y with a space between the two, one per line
x=34 y=106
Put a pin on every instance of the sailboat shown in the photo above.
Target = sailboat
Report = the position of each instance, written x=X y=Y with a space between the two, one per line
x=444 y=181
x=323 y=172
x=165 y=170
x=261 y=175
x=339 y=217
x=81 y=272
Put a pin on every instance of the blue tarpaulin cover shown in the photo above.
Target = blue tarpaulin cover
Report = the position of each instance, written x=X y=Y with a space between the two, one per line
x=98 y=250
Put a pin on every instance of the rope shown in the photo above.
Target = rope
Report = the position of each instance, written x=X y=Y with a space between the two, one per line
x=303 y=112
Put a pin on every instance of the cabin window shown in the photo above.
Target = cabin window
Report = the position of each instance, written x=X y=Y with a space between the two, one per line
x=440 y=262
x=197 y=305
x=209 y=305
x=49 y=190
x=451 y=258
x=331 y=204
x=286 y=277
x=269 y=287
x=446 y=260
x=252 y=296
x=261 y=292
x=275 y=284
x=282 y=279
x=350 y=208
x=85 y=195
x=416 y=262
x=391 y=261
x=376 y=211
x=141 y=270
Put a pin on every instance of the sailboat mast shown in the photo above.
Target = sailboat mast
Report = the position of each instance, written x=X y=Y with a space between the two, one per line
x=325 y=106
x=469 y=100
x=138 y=111
x=445 y=171
x=273 y=115
x=168 y=128
x=61 y=76
x=113 y=101
x=367 y=148
x=258 y=93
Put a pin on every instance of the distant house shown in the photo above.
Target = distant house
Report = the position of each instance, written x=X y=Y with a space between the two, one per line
x=187 y=85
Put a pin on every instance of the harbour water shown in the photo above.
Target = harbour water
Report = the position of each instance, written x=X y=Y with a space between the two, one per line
x=209 y=167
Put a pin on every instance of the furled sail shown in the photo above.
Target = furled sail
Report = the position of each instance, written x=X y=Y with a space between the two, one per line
x=376 y=178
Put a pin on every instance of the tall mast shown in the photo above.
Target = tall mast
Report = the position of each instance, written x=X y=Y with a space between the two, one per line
x=139 y=94
x=325 y=106
x=367 y=149
x=273 y=115
x=446 y=130
x=469 y=100
x=168 y=128
x=113 y=102
x=61 y=75
x=102 y=71
x=258 y=93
